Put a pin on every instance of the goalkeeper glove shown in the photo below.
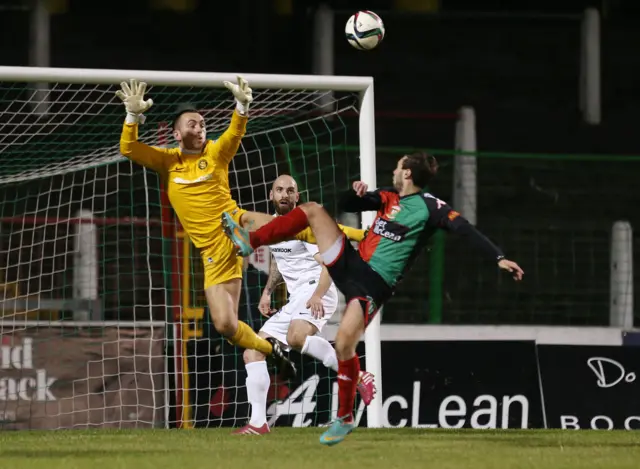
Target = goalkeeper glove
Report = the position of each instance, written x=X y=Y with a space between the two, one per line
x=133 y=99
x=242 y=93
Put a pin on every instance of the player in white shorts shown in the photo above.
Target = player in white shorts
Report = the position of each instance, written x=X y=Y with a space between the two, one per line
x=313 y=298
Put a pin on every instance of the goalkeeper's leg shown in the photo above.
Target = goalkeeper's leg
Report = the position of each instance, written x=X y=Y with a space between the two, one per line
x=223 y=271
x=223 y=299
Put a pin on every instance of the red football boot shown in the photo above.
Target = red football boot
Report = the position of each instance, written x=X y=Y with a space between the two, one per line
x=366 y=387
x=251 y=430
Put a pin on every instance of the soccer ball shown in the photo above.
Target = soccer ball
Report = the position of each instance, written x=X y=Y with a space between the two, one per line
x=364 y=30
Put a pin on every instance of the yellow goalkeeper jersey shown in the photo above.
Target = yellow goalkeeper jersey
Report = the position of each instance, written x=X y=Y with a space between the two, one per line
x=197 y=184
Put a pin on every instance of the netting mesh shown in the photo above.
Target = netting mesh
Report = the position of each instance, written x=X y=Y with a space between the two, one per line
x=87 y=235
x=80 y=124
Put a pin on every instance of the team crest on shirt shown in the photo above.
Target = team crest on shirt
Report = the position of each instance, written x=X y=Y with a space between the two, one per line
x=202 y=164
x=393 y=212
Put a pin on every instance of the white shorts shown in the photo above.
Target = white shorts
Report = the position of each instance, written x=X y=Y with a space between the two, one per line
x=278 y=325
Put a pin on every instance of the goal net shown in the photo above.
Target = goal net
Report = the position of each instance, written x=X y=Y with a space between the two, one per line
x=103 y=320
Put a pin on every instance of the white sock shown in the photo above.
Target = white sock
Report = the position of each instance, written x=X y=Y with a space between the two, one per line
x=320 y=349
x=258 y=382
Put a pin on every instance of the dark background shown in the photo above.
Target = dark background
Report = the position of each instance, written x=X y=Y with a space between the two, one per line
x=516 y=62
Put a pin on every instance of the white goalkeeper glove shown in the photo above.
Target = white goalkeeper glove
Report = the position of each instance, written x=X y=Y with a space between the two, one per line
x=242 y=93
x=133 y=98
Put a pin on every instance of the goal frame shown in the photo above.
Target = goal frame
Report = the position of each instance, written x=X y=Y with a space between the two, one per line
x=367 y=143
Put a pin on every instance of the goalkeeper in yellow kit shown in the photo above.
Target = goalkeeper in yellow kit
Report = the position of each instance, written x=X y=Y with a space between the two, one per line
x=197 y=183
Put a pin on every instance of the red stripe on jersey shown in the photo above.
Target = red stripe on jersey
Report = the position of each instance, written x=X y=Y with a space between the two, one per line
x=369 y=244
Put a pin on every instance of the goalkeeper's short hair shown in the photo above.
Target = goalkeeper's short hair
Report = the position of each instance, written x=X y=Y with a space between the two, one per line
x=182 y=109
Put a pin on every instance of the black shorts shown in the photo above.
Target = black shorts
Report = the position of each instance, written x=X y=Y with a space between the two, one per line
x=358 y=281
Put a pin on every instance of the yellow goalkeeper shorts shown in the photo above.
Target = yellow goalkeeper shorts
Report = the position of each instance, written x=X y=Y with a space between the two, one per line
x=221 y=263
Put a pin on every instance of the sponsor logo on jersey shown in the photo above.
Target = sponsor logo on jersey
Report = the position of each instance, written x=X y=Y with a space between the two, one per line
x=283 y=250
x=202 y=164
x=389 y=230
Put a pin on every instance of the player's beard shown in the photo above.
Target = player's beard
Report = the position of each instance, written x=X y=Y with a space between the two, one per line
x=283 y=206
x=397 y=183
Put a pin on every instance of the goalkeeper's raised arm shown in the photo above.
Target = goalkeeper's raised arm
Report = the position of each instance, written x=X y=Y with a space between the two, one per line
x=189 y=131
x=229 y=142
x=132 y=95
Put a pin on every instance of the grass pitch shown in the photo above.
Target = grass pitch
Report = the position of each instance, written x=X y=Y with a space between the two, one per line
x=288 y=448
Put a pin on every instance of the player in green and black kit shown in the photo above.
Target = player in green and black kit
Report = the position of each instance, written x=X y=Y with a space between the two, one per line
x=406 y=218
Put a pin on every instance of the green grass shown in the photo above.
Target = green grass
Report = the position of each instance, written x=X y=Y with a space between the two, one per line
x=287 y=448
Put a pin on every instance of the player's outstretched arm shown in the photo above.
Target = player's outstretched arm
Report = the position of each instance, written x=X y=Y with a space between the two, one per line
x=229 y=142
x=443 y=216
x=132 y=96
x=360 y=200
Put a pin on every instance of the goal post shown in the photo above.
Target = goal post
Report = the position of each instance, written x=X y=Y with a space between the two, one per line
x=178 y=78
x=373 y=355
x=72 y=143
